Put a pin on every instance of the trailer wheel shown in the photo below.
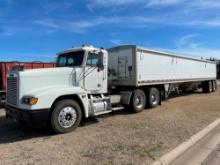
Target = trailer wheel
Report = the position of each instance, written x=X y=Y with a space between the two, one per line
x=210 y=86
x=207 y=87
x=66 y=116
x=153 y=97
x=138 y=101
x=214 y=86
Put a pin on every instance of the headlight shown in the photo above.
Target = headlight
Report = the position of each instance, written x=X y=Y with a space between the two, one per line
x=30 y=100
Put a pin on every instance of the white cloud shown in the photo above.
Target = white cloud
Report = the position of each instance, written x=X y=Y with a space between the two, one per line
x=141 y=21
x=185 y=14
x=183 y=7
x=76 y=26
x=188 y=41
x=205 y=23
x=83 y=25
x=110 y=3
x=190 y=47
x=196 y=13
x=164 y=2
x=195 y=4
x=205 y=4
x=47 y=23
x=116 y=41
x=109 y=21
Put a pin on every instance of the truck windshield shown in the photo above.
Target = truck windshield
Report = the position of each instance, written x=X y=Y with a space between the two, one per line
x=70 y=59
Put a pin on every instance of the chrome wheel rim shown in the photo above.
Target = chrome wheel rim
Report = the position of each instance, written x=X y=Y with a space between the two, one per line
x=67 y=117
x=154 y=99
x=139 y=101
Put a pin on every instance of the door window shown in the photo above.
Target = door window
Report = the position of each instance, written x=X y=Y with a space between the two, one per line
x=93 y=59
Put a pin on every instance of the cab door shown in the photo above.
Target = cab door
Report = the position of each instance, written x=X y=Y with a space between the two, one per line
x=94 y=74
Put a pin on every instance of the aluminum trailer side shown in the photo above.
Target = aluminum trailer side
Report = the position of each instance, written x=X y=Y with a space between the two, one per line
x=134 y=68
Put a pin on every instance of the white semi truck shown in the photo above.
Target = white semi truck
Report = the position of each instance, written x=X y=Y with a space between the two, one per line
x=89 y=82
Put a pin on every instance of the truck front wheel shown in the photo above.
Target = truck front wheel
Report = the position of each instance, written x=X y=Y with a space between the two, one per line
x=66 y=116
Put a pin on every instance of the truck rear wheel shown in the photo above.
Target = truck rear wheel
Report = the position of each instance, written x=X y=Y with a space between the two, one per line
x=138 y=101
x=66 y=116
x=153 y=97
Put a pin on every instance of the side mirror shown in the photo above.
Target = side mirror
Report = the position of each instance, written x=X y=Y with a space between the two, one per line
x=100 y=66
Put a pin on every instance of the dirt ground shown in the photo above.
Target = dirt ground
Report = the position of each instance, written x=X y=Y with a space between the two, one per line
x=119 y=138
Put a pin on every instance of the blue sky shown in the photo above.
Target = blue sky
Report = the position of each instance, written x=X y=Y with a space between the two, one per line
x=35 y=30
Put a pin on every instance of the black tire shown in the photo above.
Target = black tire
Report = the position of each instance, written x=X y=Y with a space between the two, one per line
x=210 y=87
x=214 y=86
x=153 y=97
x=207 y=87
x=138 y=101
x=58 y=112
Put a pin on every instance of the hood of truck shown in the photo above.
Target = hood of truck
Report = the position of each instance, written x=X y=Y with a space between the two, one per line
x=33 y=80
x=46 y=71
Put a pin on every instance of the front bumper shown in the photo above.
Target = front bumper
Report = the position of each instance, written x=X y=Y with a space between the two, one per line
x=31 y=118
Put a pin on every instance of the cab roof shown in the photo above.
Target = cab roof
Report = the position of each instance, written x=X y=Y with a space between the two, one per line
x=83 y=48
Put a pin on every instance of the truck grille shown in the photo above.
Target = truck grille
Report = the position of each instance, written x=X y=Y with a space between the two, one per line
x=12 y=90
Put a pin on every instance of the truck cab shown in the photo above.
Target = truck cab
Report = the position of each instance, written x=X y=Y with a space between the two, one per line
x=88 y=62
x=61 y=96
